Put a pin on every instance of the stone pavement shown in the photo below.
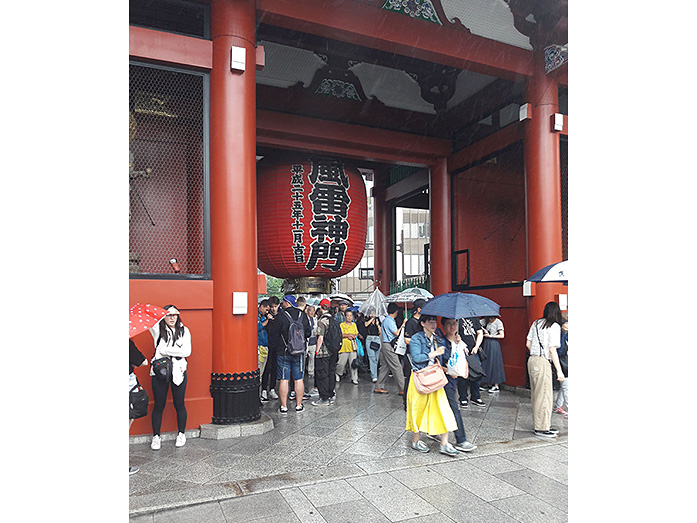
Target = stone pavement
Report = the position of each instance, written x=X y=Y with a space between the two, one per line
x=352 y=462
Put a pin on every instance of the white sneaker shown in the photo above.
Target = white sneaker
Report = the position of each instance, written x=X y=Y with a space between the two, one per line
x=181 y=440
x=264 y=395
x=156 y=443
x=338 y=378
x=273 y=395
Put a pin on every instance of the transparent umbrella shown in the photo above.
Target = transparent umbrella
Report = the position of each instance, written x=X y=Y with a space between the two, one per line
x=375 y=305
x=409 y=295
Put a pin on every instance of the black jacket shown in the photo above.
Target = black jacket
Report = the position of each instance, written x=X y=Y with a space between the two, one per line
x=278 y=328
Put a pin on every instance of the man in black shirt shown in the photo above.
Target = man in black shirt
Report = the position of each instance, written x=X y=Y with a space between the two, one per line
x=472 y=333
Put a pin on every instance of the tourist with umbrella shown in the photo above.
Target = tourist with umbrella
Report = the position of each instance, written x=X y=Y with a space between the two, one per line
x=451 y=339
x=467 y=308
x=389 y=359
x=373 y=309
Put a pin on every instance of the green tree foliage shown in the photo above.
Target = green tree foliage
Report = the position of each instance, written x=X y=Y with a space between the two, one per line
x=273 y=286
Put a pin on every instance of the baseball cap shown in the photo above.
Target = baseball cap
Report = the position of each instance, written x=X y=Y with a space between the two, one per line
x=325 y=303
x=290 y=299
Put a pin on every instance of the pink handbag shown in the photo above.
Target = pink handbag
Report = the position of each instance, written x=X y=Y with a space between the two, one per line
x=429 y=379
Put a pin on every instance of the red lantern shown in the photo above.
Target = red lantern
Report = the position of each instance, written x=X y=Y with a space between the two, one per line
x=311 y=217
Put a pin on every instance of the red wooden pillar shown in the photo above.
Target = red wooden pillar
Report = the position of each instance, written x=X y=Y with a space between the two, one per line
x=542 y=182
x=381 y=232
x=440 y=228
x=235 y=376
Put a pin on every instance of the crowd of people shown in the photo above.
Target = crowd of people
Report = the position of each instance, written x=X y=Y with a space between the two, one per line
x=340 y=341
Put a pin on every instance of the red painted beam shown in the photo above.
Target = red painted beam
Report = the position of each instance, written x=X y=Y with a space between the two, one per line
x=354 y=141
x=492 y=143
x=170 y=48
x=368 y=26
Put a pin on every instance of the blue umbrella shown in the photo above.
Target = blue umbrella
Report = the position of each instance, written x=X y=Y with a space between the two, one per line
x=460 y=305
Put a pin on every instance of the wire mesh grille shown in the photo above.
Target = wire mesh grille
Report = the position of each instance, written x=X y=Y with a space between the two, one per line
x=178 y=16
x=166 y=171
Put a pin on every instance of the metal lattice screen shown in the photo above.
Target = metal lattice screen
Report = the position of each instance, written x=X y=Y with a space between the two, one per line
x=167 y=176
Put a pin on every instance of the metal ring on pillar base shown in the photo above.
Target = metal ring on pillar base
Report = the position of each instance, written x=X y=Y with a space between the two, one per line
x=235 y=397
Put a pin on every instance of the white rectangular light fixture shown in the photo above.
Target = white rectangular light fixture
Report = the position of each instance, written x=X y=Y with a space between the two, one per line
x=238 y=59
x=525 y=112
x=558 y=122
x=239 y=303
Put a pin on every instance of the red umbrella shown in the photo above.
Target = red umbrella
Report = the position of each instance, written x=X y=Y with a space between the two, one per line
x=143 y=316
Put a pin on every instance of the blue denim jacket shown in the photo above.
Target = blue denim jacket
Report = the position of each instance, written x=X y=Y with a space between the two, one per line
x=420 y=346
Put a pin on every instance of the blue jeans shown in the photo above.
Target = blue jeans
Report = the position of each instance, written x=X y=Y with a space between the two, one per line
x=290 y=367
x=451 y=392
x=373 y=355
x=463 y=384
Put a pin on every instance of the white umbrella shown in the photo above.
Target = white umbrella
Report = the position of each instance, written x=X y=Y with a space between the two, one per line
x=340 y=296
x=409 y=295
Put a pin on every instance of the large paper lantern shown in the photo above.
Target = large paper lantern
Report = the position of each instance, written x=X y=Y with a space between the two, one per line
x=311 y=217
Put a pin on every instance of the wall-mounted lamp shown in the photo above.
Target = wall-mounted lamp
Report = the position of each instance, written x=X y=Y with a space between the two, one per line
x=238 y=59
x=525 y=112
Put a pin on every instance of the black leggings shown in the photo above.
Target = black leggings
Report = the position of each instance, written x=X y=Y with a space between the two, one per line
x=159 y=390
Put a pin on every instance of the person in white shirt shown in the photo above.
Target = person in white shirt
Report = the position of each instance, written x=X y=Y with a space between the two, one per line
x=172 y=339
x=542 y=341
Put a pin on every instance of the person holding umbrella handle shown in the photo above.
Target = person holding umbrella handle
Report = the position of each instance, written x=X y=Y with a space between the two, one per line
x=389 y=360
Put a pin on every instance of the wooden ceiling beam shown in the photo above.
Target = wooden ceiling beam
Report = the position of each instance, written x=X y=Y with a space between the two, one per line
x=290 y=131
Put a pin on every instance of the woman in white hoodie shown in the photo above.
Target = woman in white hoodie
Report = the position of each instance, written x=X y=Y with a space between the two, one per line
x=172 y=339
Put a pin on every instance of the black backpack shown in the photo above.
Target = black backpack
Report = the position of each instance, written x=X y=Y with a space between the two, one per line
x=333 y=337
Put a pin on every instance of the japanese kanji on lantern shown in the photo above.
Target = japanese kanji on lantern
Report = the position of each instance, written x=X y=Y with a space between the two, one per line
x=311 y=219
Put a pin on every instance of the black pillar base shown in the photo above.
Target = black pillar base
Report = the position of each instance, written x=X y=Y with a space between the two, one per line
x=235 y=397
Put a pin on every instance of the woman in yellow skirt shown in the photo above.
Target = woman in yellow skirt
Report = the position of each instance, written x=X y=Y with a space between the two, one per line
x=430 y=413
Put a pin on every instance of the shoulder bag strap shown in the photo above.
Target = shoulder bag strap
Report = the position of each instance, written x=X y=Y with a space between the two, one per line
x=542 y=348
x=428 y=344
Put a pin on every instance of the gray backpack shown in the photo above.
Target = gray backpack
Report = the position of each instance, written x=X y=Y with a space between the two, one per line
x=296 y=335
